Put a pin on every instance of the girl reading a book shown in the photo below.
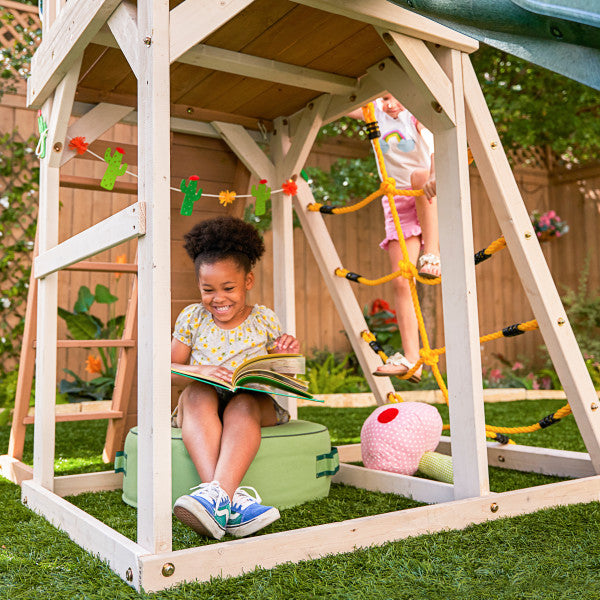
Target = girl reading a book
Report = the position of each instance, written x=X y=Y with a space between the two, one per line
x=221 y=429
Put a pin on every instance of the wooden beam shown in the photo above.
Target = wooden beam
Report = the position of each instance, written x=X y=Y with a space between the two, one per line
x=77 y=182
x=120 y=227
x=530 y=263
x=105 y=267
x=93 y=124
x=154 y=525
x=265 y=69
x=397 y=82
x=120 y=343
x=73 y=485
x=381 y=13
x=459 y=296
x=80 y=416
x=123 y=25
x=304 y=137
x=246 y=149
x=119 y=552
x=76 y=25
x=61 y=111
x=424 y=71
x=187 y=29
x=532 y=459
x=417 y=488
x=234 y=558
x=341 y=292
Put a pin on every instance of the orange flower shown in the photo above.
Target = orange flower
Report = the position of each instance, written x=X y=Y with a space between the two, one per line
x=93 y=364
x=121 y=260
x=227 y=197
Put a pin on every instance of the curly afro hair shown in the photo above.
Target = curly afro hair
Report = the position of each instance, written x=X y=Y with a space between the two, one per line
x=222 y=238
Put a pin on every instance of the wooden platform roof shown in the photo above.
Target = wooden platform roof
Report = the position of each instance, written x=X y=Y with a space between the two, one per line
x=269 y=60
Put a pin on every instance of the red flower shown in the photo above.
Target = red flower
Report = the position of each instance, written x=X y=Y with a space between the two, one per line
x=290 y=187
x=379 y=305
x=79 y=145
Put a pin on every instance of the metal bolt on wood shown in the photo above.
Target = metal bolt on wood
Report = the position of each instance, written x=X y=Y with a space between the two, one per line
x=494 y=507
x=168 y=569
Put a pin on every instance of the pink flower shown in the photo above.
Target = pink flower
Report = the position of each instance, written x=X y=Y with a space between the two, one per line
x=535 y=385
x=495 y=375
x=551 y=214
x=546 y=383
x=518 y=365
x=531 y=376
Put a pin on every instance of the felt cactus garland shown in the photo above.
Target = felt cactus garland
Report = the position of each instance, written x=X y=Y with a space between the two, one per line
x=192 y=193
x=115 y=168
x=261 y=194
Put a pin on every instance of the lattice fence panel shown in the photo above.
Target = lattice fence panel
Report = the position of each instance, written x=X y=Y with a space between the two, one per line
x=18 y=212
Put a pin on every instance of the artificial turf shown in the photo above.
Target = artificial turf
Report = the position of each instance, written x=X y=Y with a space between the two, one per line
x=549 y=554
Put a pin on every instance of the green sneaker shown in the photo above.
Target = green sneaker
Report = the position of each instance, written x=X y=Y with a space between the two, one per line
x=206 y=510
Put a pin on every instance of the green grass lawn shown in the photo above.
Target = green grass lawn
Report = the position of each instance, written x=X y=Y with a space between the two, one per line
x=549 y=554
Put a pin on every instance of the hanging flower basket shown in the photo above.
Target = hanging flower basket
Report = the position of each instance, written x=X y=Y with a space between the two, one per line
x=548 y=225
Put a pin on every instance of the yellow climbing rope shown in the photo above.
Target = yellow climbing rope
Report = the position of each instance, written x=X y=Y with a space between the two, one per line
x=428 y=356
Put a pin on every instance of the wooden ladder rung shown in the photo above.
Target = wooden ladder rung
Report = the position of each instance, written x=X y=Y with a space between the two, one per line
x=80 y=416
x=127 y=343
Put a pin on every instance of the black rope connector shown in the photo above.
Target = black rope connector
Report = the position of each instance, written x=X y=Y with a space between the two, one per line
x=512 y=330
x=352 y=276
x=547 y=421
x=375 y=346
x=373 y=130
x=326 y=209
x=501 y=438
x=481 y=256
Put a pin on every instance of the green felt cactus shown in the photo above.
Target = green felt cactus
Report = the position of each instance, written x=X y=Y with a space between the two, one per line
x=115 y=168
x=262 y=193
x=192 y=190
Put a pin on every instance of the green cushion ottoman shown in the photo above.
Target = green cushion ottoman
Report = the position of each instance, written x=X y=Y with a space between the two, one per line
x=294 y=464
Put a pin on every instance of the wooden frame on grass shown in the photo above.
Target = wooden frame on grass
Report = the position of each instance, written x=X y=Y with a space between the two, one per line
x=437 y=84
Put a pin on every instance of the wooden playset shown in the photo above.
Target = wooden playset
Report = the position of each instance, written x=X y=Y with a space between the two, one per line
x=231 y=69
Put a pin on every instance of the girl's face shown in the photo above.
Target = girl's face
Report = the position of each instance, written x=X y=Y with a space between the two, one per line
x=223 y=287
x=391 y=106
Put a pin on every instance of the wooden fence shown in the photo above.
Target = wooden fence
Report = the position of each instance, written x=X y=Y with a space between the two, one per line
x=545 y=184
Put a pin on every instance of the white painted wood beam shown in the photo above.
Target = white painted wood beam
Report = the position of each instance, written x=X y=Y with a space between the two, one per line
x=154 y=526
x=417 y=488
x=229 y=559
x=506 y=201
x=72 y=485
x=424 y=71
x=74 y=28
x=397 y=82
x=194 y=20
x=61 y=111
x=368 y=89
x=532 y=459
x=459 y=297
x=381 y=13
x=265 y=69
x=121 y=554
x=93 y=124
x=328 y=260
x=118 y=228
x=247 y=150
x=303 y=139
x=123 y=25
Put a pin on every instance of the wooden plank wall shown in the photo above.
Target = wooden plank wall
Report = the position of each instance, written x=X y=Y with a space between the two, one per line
x=574 y=194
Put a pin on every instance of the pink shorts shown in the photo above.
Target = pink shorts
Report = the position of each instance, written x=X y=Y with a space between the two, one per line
x=407 y=213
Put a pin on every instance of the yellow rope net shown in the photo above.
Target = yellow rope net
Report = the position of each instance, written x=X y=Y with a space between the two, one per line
x=428 y=356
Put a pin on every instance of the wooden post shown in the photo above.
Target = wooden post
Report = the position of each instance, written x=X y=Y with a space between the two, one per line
x=154 y=293
x=461 y=326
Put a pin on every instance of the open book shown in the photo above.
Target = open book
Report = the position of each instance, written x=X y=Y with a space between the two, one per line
x=273 y=370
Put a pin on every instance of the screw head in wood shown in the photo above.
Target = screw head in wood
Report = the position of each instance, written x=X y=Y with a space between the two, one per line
x=560 y=321
x=501 y=458
x=189 y=110
x=594 y=406
x=527 y=235
x=58 y=147
x=436 y=106
x=494 y=145
x=168 y=569
x=387 y=38
x=352 y=98
x=147 y=40
x=129 y=574
x=381 y=66
x=494 y=507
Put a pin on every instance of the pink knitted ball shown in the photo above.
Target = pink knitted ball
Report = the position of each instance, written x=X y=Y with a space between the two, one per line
x=395 y=436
